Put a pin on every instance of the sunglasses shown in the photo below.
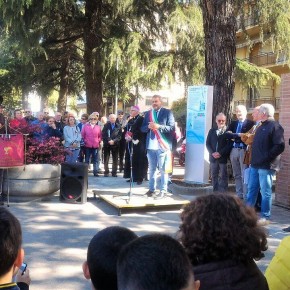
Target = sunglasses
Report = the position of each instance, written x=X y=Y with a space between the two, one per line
x=221 y=121
x=93 y=119
x=46 y=112
x=26 y=112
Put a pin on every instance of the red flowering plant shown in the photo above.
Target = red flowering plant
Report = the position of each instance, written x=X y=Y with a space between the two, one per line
x=41 y=150
x=47 y=150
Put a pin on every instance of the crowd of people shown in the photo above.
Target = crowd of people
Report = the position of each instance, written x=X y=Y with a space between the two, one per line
x=218 y=241
x=134 y=142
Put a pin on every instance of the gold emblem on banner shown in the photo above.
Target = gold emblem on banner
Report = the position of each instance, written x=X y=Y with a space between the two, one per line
x=7 y=149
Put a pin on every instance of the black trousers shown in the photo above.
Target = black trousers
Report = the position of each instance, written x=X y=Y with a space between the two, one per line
x=114 y=151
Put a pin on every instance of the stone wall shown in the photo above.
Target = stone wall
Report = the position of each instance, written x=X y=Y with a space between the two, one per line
x=282 y=188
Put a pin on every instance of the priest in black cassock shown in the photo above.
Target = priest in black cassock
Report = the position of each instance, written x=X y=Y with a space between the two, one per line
x=135 y=146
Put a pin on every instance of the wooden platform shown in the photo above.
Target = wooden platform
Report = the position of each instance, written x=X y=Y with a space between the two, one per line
x=122 y=202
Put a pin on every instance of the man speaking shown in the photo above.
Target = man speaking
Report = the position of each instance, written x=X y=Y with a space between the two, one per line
x=159 y=126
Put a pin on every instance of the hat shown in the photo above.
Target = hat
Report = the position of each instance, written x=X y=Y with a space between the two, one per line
x=120 y=112
x=135 y=108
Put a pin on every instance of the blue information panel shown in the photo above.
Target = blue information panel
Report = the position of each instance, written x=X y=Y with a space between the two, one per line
x=196 y=115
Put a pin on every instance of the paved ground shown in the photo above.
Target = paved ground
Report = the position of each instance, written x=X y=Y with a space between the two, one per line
x=56 y=235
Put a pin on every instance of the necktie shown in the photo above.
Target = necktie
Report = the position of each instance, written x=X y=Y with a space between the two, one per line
x=239 y=128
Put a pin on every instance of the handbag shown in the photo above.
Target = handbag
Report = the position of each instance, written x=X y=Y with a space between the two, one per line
x=247 y=157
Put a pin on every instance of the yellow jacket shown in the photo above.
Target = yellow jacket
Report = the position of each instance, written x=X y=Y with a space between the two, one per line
x=278 y=271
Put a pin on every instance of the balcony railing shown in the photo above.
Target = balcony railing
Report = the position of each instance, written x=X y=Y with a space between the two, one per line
x=250 y=104
x=251 y=20
x=267 y=58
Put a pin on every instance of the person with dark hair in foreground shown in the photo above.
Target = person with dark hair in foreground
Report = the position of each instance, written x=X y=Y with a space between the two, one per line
x=11 y=253
x=221 y=237
x=155 y=262
x=103 y=250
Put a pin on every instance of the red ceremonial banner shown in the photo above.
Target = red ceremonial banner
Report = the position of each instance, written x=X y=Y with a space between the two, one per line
x=11 y=150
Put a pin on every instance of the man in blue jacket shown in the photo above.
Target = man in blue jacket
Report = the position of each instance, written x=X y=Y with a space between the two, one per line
x=267 y=147
x=159 y=125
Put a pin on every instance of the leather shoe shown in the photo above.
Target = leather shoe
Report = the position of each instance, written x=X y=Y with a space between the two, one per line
x=149 y=193
x=161 y=195
x=96 y=174
x=114 y=175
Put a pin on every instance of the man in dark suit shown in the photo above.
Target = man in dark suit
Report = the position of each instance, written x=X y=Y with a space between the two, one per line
x=219 y=148
x=122 y=145
x=241 y=125
x=159 y=125
x=111 y=135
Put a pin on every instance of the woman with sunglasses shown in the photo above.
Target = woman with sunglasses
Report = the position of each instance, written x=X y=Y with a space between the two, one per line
x=92 y=136
x=72 y=138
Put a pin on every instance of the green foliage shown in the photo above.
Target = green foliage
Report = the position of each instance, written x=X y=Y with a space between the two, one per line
x=250 y=75
x=185 y=25
x=179 y=109
x=40 y=37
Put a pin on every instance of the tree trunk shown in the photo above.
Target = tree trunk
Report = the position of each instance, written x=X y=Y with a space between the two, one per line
x=220 y=51
x=92 y=56
x=64 y=84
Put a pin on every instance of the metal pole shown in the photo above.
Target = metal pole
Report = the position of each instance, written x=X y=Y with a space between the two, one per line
x=116 y=89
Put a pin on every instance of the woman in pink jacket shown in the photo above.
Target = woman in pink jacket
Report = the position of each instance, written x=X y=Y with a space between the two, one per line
x=92 y=136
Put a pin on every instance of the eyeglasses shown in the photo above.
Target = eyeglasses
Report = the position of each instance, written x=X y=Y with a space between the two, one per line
x=83 y=118
x=26 y=112
x=50 y=121
x=46 y=112
x=221 y=121
x=121 y=114
x=93 y=119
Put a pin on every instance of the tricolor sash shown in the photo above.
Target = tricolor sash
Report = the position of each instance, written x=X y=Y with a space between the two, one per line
x=163 y=142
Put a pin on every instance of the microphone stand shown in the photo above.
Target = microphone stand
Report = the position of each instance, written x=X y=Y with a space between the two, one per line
x=130 y=193
x=131 y=171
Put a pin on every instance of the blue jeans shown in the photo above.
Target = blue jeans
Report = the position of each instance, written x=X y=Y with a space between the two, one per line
x=73 y=157
x=156 y=159
x=95 y=160
x=253 y=187
x=261 y=178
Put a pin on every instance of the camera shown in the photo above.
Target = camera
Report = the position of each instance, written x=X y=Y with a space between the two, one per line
x=23 y=268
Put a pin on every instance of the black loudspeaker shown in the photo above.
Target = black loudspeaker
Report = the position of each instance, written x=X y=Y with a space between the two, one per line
x=73 y=182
